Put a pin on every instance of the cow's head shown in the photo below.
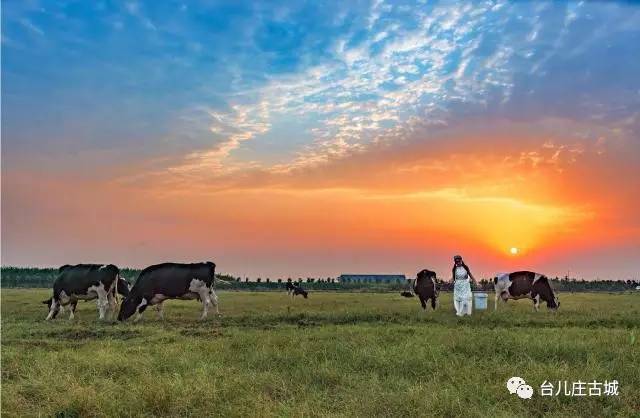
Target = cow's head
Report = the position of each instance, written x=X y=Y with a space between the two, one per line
x=129 y=306
x=123 y=287
x=111 y=269
x=553 y=303
x=48 y=302
x=548 y=294
x=426 y=274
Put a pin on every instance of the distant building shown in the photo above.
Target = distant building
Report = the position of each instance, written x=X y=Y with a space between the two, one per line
x=372 y=278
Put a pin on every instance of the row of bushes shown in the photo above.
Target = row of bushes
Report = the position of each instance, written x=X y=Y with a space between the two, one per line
x=44 y=277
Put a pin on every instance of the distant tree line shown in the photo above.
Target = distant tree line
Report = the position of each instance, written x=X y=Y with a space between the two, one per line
x=43 y=277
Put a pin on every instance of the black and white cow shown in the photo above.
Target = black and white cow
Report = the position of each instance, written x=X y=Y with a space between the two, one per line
x=86 y=282
x=295 y=289
x=425 y=286
x=160 y=282
x=290 y=287
x=525 y=284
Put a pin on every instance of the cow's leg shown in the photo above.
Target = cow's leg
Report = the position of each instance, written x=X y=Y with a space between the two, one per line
x=204 y=293
x=102 y=301
x=423 y=302
x=160 y=310
x=205 y=308
x=102 y=304
x=140 y=309
x=53 y=309
x=100 y=307
x=72 y=310
x=504 y=296
x=112 y=304
x=433 y=303
x=495 y=302
x=60 y=309
x=214 y=301
x=536 y=302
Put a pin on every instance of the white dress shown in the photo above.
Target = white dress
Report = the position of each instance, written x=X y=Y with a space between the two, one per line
x=461 y=286
x=462 y=292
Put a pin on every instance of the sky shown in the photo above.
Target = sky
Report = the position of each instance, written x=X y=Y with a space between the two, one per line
x=296 y=139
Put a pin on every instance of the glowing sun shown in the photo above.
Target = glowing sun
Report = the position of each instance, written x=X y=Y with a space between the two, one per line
x=514 y=251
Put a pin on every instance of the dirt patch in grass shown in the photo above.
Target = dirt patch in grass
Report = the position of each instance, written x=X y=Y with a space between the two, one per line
x=86 y=334
x=201 y=332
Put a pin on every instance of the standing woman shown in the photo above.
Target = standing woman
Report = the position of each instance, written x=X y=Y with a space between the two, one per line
x=461 y=276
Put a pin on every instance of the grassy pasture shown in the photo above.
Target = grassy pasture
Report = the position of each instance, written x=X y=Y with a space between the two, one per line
x=339 y=354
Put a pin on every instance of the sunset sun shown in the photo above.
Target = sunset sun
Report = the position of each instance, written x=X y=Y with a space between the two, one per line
x=514 y=251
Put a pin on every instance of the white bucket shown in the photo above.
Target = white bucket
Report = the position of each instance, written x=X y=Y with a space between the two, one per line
x=480 y=300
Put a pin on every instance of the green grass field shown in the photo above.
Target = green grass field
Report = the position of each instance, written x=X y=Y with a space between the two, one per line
x=339 y=354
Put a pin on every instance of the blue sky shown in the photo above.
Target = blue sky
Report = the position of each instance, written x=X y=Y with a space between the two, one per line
x=147 y=79
x=207 y=97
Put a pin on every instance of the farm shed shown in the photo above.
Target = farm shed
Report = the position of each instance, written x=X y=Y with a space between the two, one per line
x=372 y=278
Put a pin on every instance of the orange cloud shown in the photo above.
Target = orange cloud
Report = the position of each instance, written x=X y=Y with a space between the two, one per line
x=389 y=209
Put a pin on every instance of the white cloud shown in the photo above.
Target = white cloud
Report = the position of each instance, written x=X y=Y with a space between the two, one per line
x=31 y=27
x=370 y=96
x=133 y=8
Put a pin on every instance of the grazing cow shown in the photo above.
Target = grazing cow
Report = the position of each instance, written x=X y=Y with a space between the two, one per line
x=300 y=291
x=426 y=288
x=123 y=287
x=86 y=282
x=295 y=289
x=525 y=284
x=290 y=287
x=160 y=282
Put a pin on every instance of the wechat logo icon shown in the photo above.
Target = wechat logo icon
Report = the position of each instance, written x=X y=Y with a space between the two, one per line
x=518 y=386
